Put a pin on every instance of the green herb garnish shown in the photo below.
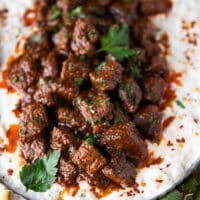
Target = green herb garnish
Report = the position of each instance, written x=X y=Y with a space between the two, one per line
x=80 y=80
x=128 y=88
x=180 y=104
x=101 y=66
x=56 y=12
x=38 y=119
x=116 y=42
x=90 y=139
x=41 y=174
x=75 y=12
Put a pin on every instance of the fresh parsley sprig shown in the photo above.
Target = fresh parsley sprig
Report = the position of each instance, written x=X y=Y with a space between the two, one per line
x=41 y=174
x=116 y=42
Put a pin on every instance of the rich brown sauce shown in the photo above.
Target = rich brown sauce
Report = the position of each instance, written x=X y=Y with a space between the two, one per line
x=13 y=136
x=170 y=94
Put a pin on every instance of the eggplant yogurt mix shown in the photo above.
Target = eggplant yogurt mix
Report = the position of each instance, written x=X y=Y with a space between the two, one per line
x=91 y=79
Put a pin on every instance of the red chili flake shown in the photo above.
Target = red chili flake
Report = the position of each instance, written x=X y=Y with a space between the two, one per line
x=10 y=172
x=135 y=187
x=159 y=180
x=181 y=126
x=168 y=165
x=181 y=140
x=169 y=143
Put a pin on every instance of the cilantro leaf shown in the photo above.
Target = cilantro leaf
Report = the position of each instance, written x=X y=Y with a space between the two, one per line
x=40 y=175
x=116 y=42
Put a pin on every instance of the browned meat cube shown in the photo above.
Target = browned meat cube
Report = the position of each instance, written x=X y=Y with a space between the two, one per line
x=130 y=94
x=104 y=2
x=75 y=69
x=67 y=172
x=67 y=5
x=154 y=89
x=61 y=39
x=50 y=65
x=33 y=122
x=151 y=50
x=126 y=137
x=37 y=45
x=148 y=120
x=120 y=116
x=71 y=118
x=44 y=93
x=33 y=150
x=143 y=30
x=88 y=158
x=153 y=7
x=68 y=90
x=124 y=11
x=107 y=75
x=85 y=36
x=98 y=179
x=95 y=106
x=158 y=66
x=120 y=170
x=62 y=138
x=23 y=73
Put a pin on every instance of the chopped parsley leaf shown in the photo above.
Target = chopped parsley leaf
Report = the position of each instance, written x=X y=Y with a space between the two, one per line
x=116 y=42
x=41 y=174
x=56 y=12
x=180 y=104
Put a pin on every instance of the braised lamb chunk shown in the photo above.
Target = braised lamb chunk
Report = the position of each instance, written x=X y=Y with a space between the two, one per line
x=75 y=69
x=84 y=38
x=68 y=90
x=38 y=45
x=120 y=170
x=104 y=2
x=67 y=5
x=23 y=73
x=107 y=75
x=120 y=116
x=33 y=122
x=88 y=158
x=72 y=119
x=154 y=89
x=50 y=65
x=44 y=93
x=148 y=120
x=62 y=138
x=98 y=179
x=61 y=39
x=153 y=7
x=143 y=30
x=130 y=94
x=33 y=149
x=95 y=106
x=67 y=172
x=124 y=11
x=125 y=137
x=158 y=66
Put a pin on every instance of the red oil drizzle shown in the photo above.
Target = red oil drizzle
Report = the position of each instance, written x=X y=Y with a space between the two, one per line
x=30 y=14
x=170 y=94
x=13 y=137
x=168 y=121
x=4 y=81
